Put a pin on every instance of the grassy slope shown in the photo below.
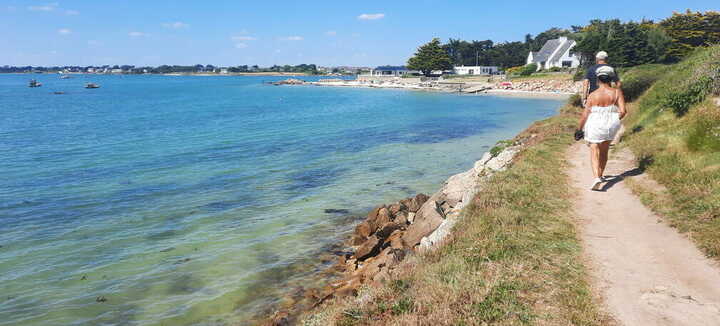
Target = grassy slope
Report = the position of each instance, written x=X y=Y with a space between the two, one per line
x=515 y=257
x=682 y=153
x=514 y=260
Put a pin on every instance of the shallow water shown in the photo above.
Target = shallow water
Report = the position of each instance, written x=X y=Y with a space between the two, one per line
x=197 y=200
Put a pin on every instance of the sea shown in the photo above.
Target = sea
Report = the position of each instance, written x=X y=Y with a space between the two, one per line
x=195 y=200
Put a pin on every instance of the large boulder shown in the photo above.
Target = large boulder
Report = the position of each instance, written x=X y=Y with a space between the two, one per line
x=457 y=185
x=434 y=239
x=372 y=218
x=369 y=248
x=364 y=229
x=427 y=219
x=387 y=229
x=503 y=159
x=417 y=202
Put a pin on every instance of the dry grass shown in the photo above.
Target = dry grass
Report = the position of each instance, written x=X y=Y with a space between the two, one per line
x=682 y=153
x=514 y=259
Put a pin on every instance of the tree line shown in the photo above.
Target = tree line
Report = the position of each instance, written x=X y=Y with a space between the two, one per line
x=165 y=69
x=628 y=43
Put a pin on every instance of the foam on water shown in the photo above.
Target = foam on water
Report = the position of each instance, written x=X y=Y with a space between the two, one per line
x=195 y=200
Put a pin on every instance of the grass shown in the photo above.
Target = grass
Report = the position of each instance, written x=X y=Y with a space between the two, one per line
x=679 y=145
x=515 y=257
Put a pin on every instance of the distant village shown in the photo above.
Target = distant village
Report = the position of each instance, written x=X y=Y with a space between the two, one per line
x=555 y=53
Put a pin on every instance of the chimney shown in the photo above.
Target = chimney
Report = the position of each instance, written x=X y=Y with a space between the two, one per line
x=563 y=39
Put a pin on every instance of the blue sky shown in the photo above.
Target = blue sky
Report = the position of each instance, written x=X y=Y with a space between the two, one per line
x=224 y=32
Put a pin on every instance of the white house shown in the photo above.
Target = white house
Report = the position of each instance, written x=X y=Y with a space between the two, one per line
x=555 y=53
x=476 y=70
x=390 y=71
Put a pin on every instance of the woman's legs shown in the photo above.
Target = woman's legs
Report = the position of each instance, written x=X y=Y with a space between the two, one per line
x=603 y=148
x=595 y=159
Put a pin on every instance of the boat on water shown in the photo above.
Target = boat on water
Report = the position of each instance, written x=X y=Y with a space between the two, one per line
x=65 y=77
x=92 y=85
x=34 y=83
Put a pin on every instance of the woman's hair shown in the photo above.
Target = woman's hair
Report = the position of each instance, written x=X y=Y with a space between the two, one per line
x=605 y=79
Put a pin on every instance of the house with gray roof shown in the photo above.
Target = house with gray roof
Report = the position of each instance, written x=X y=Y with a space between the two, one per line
x=555 y=53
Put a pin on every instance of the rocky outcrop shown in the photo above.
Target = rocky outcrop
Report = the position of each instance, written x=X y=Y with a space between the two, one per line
x=560 y=86
x=289 y=81
x=391 y=232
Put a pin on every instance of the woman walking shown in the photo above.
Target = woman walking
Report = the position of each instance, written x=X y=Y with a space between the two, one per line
x=600 y=121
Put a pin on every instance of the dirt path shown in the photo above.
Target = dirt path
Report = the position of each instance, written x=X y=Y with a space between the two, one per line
x=646 y=272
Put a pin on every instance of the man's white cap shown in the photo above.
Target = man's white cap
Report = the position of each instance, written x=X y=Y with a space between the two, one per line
x=605 y=70
x=602 y=55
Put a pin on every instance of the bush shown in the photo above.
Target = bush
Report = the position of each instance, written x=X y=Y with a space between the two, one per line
x=528 y=70
x=681 y=99
x=514 y=70
x=705 y=133
x=637 y=80
x=555 y=69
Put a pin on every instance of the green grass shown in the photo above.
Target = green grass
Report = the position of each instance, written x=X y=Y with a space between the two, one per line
x=515 y=257
x=676 y=134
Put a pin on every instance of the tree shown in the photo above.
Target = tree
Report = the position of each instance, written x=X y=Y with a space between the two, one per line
x=628 y=44
x=690 y=30
x=429 y=57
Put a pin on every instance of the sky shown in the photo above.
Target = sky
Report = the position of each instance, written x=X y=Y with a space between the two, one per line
x=265 y=33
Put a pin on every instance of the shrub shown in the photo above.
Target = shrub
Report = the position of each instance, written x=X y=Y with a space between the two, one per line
x=528 y=70
x=514 y=70
x=637 y=80
x=705 y=132
x=681 y=99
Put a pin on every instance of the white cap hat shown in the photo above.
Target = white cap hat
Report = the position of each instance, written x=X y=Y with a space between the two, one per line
x=605 y=71
x=602 y=55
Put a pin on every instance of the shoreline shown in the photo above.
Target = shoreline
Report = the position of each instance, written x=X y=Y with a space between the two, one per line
x=457 y=88
x=394 y=232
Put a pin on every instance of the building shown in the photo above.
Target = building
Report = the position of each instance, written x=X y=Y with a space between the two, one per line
x=390 y=71
x=476 y=70
x=555 y=53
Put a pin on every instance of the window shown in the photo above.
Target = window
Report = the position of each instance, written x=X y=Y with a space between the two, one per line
x=566 y=64
x=471 y=72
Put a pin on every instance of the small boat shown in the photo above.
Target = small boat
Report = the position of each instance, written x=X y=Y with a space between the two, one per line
x=65 y=77
x=34 y=83
x=92 y=85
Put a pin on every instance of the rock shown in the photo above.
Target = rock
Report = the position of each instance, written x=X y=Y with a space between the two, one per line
x=356 y=240
x=395 y=240
x=456 y=186
x=427 y=219
x=402 y=218
x=281 y=319
x=372 y=218
x=369 y=248
x=503 y=159
x=364 y=229
x=101 y=299
x=383 y=217
x=388 y=228
x=417 y=202
x=336 y=211
x=434 y=239
x=411 y=217
x=395 y=208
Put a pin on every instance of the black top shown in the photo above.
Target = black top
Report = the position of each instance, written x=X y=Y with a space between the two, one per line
x=592 y=77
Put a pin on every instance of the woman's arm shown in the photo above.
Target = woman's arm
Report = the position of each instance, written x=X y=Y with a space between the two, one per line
x=585 y=114
x=621 y=103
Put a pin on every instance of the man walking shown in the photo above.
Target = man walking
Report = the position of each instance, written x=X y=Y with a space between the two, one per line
x=590 y=84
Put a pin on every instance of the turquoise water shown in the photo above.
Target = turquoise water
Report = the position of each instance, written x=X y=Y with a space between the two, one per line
x=199 y=200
